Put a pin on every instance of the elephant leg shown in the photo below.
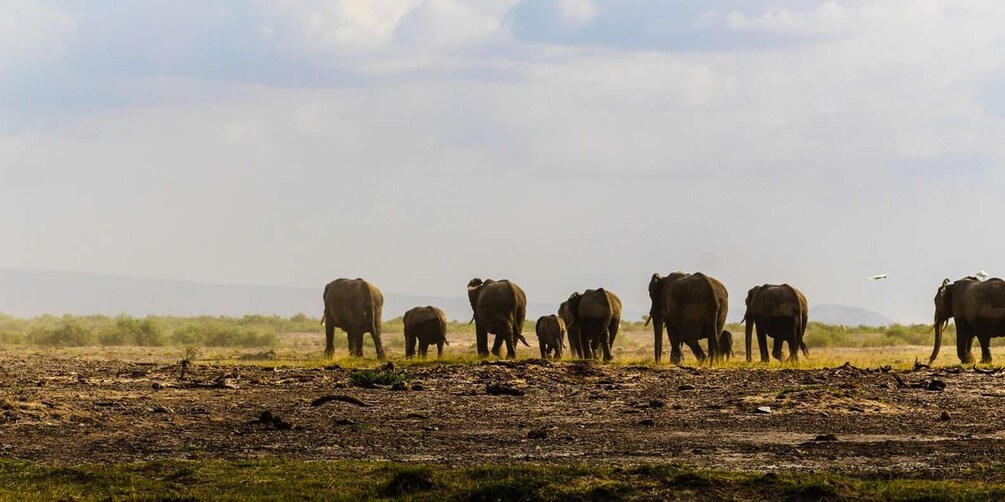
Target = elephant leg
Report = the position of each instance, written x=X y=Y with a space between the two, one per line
x=409 y=346
x=762 y=344
x=793 y=348
x=439 y=349
x=329 y=339
x=355 y=344
x=985 y=349
x=544 y=348
x=378 y=343
x=586 y=345
x=964 y=342
x=676 y=347
x=695 y=346
x=558 y=348
x=482 y=340
x=497 y=345
x=423 y=349
x=605 y=344
x=510 y=346
x=776 y=347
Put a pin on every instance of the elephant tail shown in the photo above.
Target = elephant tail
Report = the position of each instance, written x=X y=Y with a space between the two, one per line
x=443 y=327
x=804 y=349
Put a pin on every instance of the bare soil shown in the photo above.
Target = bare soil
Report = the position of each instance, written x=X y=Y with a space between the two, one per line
x=68 y=410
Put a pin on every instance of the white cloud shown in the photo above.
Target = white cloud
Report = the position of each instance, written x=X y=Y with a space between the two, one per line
x=374 y=27
x=577 y=13
x=33 y=32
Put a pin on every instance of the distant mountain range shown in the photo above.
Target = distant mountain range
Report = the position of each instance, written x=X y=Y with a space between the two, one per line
x=847 y=315
x=28 y=293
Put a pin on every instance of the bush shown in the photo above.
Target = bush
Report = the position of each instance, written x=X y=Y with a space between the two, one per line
x=129 y=331
x=70 y=334
x=223 y=336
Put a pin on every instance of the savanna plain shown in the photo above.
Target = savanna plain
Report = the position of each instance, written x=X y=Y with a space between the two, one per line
x=122 y=408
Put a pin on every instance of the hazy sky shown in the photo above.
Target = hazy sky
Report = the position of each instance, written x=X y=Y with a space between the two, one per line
x=562 y=144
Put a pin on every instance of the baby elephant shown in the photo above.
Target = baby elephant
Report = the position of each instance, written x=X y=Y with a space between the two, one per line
x=427 y=326
x=551 y=336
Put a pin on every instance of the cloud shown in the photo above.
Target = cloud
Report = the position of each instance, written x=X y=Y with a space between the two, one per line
x=577 y=13
x=33 y=32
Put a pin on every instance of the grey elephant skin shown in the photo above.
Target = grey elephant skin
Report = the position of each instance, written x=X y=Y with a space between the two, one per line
x=596 y=313
x=978 y=309
x=692 y=307
x=780 y=312
x=551 y=332
x=425 y=326
x=499 y=308
x=354 y=306
x=572 y=330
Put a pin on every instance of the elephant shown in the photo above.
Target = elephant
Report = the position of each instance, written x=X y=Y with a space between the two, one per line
x=500 y=308
x=572 y=330
x=597 y=314
x=978 y=307
x=778 y=311
x=425 y=326
x=550 y=336
x=692 y=307
x=354 y=306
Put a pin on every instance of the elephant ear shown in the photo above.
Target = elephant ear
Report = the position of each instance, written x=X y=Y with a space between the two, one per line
x=655 y=293
x=574 y=300
x=474 y=288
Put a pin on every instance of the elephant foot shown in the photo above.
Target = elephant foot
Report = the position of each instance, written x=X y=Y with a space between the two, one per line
x=986 y=360
x=329 y=354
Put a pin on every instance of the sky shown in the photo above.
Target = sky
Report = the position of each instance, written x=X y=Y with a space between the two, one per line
x=562 y=144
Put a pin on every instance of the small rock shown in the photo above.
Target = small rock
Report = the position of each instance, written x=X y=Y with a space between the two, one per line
x=686 y=386
x=400 y=386
x=944 y=417
x=156 y=386
x=161 y=409
x=416 y=416
x=345 y=421
x=763 y=409
x=656 y=403
x=647 y=422
x=826 y=437
x=418 y=386
x=936 y=386
x=537 y=434
x=495 y=389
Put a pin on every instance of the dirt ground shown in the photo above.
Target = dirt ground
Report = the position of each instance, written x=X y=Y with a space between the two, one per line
x=67 y=409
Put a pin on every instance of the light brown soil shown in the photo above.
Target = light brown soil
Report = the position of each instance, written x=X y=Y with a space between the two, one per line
x=64 y=410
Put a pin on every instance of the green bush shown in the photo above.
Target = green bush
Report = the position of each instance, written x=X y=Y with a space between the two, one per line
x=130 y=331
x=70 y=334
x=223 y=336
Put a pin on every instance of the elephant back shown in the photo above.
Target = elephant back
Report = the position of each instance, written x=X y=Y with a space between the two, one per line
x=597 y=304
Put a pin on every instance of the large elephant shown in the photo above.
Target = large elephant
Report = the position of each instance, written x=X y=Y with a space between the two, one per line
x=778 y=311
x=550 y=331
x=597 y=314
x=354 y=306
x=572 y=330
x=425 y=326
x=979 y=311
x=500 y=308
x=692 y=307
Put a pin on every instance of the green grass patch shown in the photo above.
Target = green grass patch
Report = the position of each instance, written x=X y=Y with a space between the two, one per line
x=378 y=376
x=354 y=480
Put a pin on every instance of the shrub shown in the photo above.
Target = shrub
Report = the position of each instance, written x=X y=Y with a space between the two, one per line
x=224 y=336
x=70 y=334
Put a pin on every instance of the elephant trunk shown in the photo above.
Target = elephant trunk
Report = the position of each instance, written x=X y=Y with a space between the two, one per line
x=657 y=335
x=749 y=331
x=940 y=325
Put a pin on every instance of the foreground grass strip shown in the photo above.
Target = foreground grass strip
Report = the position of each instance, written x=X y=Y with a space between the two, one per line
x=350 y=480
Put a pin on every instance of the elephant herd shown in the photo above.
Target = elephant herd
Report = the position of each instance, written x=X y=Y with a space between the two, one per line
x=691 y=308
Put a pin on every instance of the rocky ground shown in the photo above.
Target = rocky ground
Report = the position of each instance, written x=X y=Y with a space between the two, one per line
x=923 y=423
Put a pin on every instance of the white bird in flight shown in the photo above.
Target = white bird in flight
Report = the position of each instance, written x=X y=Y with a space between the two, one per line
x=982 y=275
x=877 y=277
